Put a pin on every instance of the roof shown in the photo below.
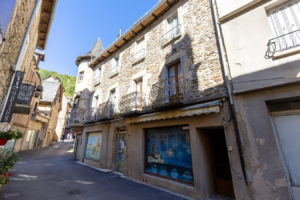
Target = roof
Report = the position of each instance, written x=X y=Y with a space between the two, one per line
x=96 y=51
x=50 y=90
x=158 y=10
x=47 y=14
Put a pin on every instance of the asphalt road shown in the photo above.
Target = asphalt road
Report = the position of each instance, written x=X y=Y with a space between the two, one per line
x=52 y=174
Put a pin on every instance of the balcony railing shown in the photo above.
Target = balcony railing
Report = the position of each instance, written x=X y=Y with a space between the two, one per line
x=105 y=110
x=138 y=56
x=283 y=42
x=173 y=33
x=114 y=70
x=133 y=102
x=168 y=91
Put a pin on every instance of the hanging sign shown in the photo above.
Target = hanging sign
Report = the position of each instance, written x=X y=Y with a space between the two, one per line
x=12 y=97
x=25 y=94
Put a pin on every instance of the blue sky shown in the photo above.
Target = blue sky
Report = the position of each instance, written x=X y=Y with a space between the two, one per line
x=78 y=24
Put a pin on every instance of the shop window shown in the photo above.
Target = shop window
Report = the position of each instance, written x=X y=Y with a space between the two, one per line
x=93 y=147
x=168 y=153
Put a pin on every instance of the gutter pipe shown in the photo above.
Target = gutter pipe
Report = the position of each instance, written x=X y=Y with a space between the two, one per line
x=226 y=73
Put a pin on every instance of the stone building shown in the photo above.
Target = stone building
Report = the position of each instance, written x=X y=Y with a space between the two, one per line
x=62 y=117
x=158 y=105
x=50 y=105
x=25 y=26
x=83 y=92
x=262 y=42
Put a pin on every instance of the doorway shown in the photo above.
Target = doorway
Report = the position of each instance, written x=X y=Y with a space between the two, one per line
x=218 y=173
x=121 y=150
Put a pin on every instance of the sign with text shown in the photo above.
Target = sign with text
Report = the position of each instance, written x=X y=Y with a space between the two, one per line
x=12 y=97
x=25 y=94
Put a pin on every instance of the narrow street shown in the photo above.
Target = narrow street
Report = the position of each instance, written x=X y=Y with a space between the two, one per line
x=52 y=174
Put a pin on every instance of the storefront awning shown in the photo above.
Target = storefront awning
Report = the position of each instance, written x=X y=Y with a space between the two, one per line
x=198 y=109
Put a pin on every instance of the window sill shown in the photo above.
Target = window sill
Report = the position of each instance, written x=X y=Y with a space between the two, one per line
x=286 y=53
x=139 y=60
x=171 y=40
x=113 y=74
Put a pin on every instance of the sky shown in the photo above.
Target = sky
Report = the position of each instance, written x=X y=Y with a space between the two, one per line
x=78 y=23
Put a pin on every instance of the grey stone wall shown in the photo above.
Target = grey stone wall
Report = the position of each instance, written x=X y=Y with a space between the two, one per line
x=14 y=35
x=196 y=47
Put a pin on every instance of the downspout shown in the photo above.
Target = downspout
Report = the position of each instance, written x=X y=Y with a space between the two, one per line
x=19 y=60
x=228 y=87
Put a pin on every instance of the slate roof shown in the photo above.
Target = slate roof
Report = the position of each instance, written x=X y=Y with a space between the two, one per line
x=49 y=90
x=96 y=51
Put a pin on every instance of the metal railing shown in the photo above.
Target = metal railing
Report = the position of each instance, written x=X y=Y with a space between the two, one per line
x=114 y=70
x=168 y=91
x=133 y=102
x=105 y=110
x=138 y=56
x=171 y=34
x=282 y=43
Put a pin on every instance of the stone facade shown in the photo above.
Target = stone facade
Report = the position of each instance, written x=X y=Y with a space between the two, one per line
x=136 y=96
x=14 y=35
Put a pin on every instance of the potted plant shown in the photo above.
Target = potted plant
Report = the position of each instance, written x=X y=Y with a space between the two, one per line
x=9 y=135
x=7 y=161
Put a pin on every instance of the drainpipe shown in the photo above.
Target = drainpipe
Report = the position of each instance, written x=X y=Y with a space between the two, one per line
x=19 y=59
x=226 y=73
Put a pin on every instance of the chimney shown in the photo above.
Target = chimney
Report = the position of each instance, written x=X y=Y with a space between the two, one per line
x=120 y=33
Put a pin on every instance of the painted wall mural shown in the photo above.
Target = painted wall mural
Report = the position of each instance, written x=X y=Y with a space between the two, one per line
x=93 y=146
x=168 y=153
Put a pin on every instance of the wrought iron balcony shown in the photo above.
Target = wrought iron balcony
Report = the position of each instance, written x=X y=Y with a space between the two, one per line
x=133 y=102
x=171 y=35
x=282 y=43
x=105 y=110
x=169 y=91
x=138 y=56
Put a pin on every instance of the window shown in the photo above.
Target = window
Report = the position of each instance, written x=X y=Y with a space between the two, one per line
x=97 y=76
x=168 y=153
x=115 y=66
x=139 y=50
x=81 y=76
x=139 y=93
x=285 y=21
x=174 y=80
x=173 y=29
x=93 y=147
x=112 y=101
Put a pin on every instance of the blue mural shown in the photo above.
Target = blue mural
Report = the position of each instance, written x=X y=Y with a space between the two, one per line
x=168 y=153
x=93 y=146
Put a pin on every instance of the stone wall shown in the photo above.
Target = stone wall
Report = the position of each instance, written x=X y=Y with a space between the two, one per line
x=196 y=47
x=9 y=50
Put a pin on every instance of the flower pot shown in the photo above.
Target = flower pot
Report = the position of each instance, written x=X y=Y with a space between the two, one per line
x=3 y=142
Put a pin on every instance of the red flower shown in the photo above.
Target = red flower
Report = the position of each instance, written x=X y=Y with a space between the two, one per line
x=5 y=174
